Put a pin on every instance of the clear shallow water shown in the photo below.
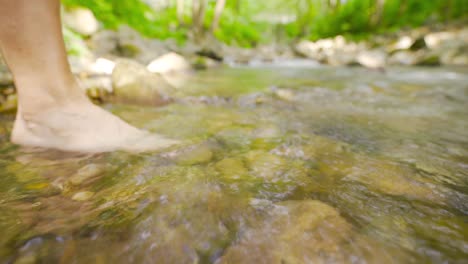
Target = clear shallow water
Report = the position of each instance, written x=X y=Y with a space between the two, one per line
x=298 y=165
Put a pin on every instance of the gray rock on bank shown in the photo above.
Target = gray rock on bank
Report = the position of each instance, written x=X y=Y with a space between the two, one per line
x=414 y=47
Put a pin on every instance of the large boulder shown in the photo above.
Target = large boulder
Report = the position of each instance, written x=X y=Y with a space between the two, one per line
x=133 y=83
x=81 y=20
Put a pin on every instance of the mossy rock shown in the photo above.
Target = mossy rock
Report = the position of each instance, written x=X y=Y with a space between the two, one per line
x=295 y=230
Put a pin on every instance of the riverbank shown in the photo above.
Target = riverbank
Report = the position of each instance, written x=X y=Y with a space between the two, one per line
x=150 y=68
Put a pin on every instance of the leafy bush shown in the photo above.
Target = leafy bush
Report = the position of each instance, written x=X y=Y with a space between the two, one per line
x=314 y=18
x=136 y=14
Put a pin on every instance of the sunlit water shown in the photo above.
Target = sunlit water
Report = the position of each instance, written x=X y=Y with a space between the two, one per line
x=278 y=165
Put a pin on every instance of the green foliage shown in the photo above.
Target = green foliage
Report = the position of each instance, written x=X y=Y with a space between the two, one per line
x=136 y=14
x=238 y=30
x=240 y=23
x=74 y=43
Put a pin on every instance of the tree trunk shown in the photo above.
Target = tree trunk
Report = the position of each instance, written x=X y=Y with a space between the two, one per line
x=180 y=11
x=378 y=11
x=217 y=16
x=198 y=16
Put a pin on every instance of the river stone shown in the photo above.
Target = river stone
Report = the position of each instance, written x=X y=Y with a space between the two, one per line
x=81 y=20
x=9 y=104
x=455 y=53
x=104 y=43
x=133 y=83
x=402 y=43
x=169 y=63
x=87 y=172
x=285 y=95
x=296 y=232
x=429 y=59
x=404 y=57
x=392 y=179
x=318 y=146
x=372 y=59
x=198 y=154
x=437 y=39
x=82 y=196
x=231 y=168
x=265 y=165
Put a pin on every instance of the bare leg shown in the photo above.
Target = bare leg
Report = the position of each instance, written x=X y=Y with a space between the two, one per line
x=53 y=111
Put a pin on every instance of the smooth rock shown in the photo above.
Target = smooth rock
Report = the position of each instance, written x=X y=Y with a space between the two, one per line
x=372 y=59
x=98 y=88
x=392 y=179
x=128 y=43
x=198 y=154
x=296 y=232
x=402 y=43
x=265 y=165
x=87 y=172
x=429 y=59
x=82 y=196
x=102 y=66
x=81 y=20
x=169 y=63
x=285 y=94
x=231 y=168
x=404 y=57
x=437 y=39
x=455 y=53
x=104 y=43
x=133 y=83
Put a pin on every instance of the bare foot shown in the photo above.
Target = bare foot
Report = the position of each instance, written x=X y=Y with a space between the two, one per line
x=82 y=127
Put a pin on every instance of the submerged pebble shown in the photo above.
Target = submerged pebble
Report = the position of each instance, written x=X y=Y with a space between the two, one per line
x=87 y=172
x=82 y=196
x=194 y=155
x=231 y=168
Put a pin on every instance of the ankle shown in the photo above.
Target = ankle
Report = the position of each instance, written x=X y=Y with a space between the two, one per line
x=32 y=102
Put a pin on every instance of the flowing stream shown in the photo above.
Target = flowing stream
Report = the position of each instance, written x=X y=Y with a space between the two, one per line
x=278 y=165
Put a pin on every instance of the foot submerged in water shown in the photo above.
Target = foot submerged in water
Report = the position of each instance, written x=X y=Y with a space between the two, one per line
x=83 y=127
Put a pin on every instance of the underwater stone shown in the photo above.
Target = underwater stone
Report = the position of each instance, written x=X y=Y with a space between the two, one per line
x=82 y=196
x=231 y=168
x=87 y=172
x=195 y=155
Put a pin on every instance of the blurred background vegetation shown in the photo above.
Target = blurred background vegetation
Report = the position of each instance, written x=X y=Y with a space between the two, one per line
x=249 y=23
